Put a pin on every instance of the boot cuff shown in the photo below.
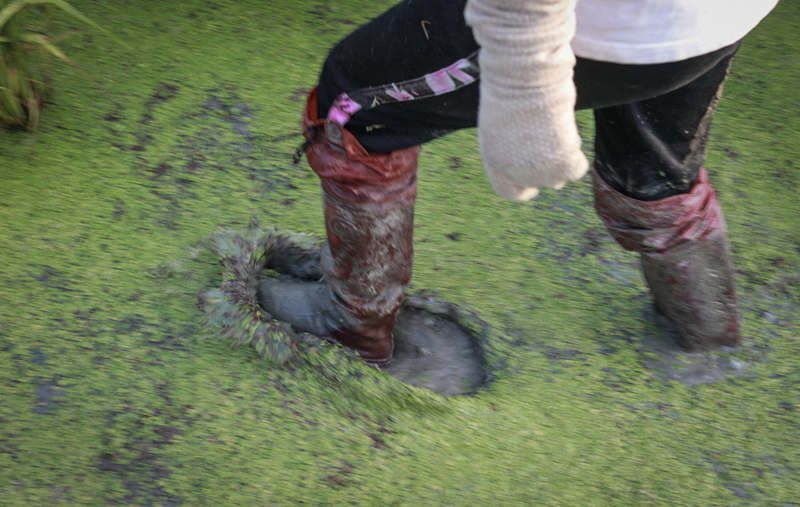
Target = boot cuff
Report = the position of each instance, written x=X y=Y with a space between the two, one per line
x=348 y=170
x=659 y=226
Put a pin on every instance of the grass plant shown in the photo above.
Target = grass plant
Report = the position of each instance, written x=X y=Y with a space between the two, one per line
x=25 y=45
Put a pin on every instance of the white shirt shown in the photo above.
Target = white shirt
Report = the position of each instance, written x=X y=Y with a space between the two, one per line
x=658 y=31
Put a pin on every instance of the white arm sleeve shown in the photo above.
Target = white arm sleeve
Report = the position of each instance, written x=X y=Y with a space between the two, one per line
x=526 y=121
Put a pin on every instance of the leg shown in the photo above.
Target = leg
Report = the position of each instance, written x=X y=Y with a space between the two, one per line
x=368 y=202
x=655 y=198
x=417 y=57
x=368 y=171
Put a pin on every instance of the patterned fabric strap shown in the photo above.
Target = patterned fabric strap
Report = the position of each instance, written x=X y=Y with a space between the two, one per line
x=457 y=75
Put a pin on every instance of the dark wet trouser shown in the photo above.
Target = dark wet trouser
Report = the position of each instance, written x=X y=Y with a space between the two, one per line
x=651 y=120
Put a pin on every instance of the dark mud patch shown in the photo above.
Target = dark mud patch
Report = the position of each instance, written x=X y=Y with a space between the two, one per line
x=768 y=305
x=622 y=269
x=435 y=353
x=764 y=467
x=767 y=308
x=662 y=356
x=38 y=357
x=47 y=398
x=52 y=278
x=160 y=170
x=770 y=309
x=113 y=117
x=221 y=129
x=556 y=354
x=217 y=133
x=730 y=153
x=140 y=477
x=129 y=324
x=119 y=209
x=340 y=474
x=164 y=92
x=133 y=447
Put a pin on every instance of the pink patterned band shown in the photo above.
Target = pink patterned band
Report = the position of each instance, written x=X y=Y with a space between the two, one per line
x=457 y=75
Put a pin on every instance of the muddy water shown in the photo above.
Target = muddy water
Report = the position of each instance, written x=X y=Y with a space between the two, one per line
x=435 y=353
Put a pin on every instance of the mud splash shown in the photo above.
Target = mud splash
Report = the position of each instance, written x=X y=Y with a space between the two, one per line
x=439 y=345
x=435 y=349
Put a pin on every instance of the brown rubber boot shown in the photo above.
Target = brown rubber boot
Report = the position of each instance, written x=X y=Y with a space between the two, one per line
x=368 y=201
x=685 y=254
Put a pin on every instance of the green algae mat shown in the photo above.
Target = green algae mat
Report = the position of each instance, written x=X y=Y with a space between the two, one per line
x=113 y=389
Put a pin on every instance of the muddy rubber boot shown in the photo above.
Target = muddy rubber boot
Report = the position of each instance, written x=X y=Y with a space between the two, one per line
x=368 y=202
x=685 y=254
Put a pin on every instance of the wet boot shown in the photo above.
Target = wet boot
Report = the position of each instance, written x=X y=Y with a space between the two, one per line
x=685 y=255
x=368 y=202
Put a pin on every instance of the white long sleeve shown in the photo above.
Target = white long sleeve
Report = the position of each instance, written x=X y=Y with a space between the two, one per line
x=526 y=122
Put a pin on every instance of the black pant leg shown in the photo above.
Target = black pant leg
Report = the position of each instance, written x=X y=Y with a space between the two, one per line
x=653 y=148
x=652 y=120
x=413 y=38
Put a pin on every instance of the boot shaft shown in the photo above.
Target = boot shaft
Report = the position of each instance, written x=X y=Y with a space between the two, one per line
x=685 y=254
x=368 y=202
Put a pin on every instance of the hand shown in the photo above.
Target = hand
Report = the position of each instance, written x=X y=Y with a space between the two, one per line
x=526 y=121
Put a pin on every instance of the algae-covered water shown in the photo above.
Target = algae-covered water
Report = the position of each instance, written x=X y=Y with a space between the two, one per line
x=113 y=391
